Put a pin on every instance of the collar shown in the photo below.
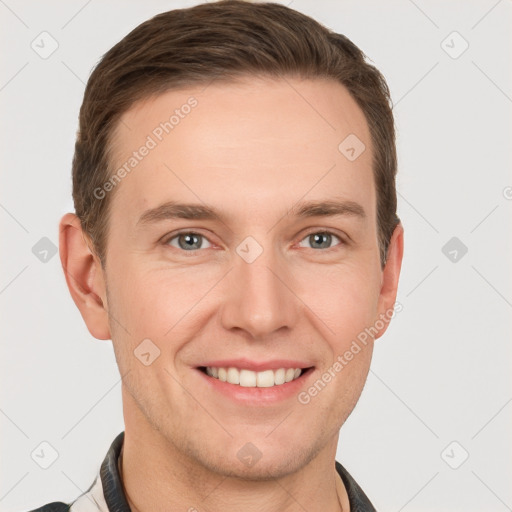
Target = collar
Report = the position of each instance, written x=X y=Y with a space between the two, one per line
x=106 y=493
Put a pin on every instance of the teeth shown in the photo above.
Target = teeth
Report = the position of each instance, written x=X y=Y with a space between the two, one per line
x=250 y=379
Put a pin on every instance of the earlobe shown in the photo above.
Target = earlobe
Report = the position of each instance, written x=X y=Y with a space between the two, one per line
x=390 y=277
x=84 y=276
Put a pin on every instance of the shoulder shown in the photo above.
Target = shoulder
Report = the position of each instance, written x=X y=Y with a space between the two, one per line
x=56 y=506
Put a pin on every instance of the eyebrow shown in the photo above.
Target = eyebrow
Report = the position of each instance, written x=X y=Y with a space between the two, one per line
x=305 y=209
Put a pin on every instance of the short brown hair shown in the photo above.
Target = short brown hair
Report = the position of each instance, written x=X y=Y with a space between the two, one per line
x=225 y=40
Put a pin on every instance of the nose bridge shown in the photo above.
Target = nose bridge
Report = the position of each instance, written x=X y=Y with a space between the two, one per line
x=258 y=299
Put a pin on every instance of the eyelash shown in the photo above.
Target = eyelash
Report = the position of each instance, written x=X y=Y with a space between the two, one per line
x=194 y=252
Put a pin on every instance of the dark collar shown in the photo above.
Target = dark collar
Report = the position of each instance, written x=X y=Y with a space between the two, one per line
x=116 y=499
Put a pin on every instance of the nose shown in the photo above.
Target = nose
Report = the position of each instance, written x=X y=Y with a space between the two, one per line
x=259 y=297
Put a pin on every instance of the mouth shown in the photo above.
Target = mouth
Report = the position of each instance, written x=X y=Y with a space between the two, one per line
x=244 y=378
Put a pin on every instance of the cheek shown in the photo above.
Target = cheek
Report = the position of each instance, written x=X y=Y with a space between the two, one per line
x=157 y=302
x=339 y=300
x=345 y=298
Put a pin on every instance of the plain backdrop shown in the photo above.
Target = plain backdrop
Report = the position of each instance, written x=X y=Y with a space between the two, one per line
x=432 y=428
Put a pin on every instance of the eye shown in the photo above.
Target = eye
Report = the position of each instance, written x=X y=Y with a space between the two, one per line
x=190 y=241
x=321 y=239
x=187 y=240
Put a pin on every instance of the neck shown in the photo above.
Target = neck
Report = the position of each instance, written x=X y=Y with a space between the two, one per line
x=158 y=476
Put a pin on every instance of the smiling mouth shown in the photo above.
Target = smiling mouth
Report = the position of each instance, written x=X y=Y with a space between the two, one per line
x=251 y=379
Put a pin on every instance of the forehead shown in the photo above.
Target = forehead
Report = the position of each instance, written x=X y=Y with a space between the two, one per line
x=258 y=144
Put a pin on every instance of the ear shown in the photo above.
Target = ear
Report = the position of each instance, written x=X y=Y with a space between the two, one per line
x=390 y=276
x=84 y=276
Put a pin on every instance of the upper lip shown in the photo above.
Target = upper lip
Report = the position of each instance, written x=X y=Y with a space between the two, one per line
x=247 y=364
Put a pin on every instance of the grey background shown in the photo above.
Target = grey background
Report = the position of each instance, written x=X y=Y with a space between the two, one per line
x=442 y=372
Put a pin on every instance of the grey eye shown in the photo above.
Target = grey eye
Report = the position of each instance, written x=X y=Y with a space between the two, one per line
x=188 y=241
x=321 y=239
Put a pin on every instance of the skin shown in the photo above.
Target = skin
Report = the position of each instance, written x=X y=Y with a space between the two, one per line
x=252 y=149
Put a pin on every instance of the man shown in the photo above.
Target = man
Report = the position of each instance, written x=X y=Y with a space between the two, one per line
x=236 y=237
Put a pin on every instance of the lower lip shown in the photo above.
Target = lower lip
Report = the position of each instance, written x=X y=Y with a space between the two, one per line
x=257 y=396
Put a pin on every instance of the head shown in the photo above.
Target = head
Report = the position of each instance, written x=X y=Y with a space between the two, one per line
x=266 y=122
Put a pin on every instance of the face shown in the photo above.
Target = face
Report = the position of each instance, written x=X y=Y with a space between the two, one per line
x=247 y=281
